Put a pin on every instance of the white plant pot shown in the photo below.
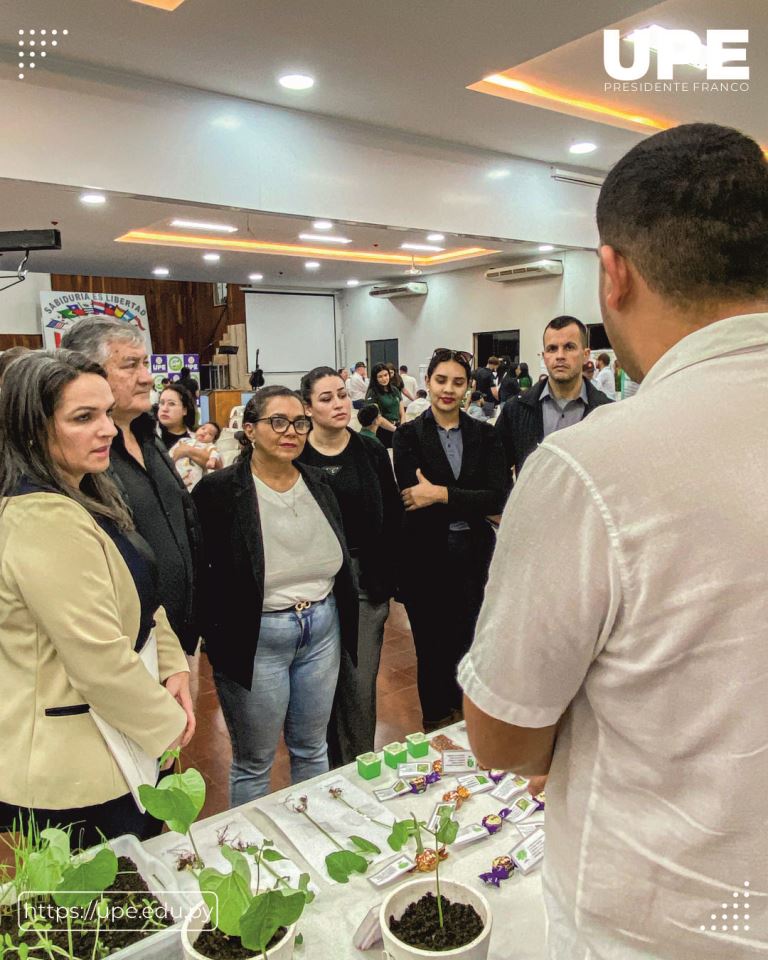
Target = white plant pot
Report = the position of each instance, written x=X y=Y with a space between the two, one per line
x=197 y=918
x=397 y=901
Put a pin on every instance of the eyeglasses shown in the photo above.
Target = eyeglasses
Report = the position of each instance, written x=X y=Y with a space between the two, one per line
x=444 y=353
x=302 y=425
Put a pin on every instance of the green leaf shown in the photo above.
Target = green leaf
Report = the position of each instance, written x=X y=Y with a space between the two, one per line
x=91 y=878
x=304 y=887
x=299 y=939
x=168 y=754
x=271 y=856
x=227 y=896
x=239 y=863
x=365 y=845
x=170 y=804
x=402 y=831
x=341 y=863
x=447 y=831
x=266 y=914
x=58 y=844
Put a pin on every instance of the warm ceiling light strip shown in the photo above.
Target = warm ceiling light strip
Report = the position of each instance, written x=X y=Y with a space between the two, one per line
x=512 y=88
x=294 y=250
x=169 y=5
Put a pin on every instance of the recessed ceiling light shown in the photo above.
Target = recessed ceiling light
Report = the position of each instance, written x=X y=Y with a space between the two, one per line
x=212 y=257
x=585 y=147
x=435 y=237
x=161 y=271
x=545 y=247
x=413 y=272
x=427 y=247
x=322 y=225
x=255 y=276
x=320 y=238
x=312 y=265
x=353 y=283
x=200 y=225
x=93 y=198
x=498 y=174
x=296 y=81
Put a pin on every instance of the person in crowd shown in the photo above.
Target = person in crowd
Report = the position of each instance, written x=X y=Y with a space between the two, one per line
x=410 y=386
x=523 y=377
x=79 y=616
x=658 y=593
x=559 y=401
x=588 y=370
x=274 y=539
x=161 y=507
x=367 y=418
x=509 y=385
x=476 y=407
x=176 y=418
x=450 y=469
x=389 y=400
x=418 y=406
x=487 y=382
x=343 y=373
x=189 y=383
x=208 y=432
x=357 y=385
x=394 y=378
x=8 y=356
x=359 y=472
x=604 y=379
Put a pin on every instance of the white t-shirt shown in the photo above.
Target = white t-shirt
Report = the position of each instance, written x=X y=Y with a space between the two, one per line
x=409 y=383
x=302 y=554
x=630 y=593
x=417 y=407
x=357 y=387
x=604 y=381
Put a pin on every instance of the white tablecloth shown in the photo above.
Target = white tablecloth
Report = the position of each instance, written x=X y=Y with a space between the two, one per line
x=330 y=922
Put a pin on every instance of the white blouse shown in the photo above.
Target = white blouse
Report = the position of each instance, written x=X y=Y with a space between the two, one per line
x=302 y=554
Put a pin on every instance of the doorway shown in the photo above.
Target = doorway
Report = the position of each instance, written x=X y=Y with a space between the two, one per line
x=381 y=351
x=497 y=343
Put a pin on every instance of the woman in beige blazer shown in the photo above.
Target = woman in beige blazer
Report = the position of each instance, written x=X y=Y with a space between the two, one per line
x=77 y=605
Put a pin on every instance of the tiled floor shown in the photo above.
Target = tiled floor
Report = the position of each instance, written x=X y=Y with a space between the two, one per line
x=398 y=713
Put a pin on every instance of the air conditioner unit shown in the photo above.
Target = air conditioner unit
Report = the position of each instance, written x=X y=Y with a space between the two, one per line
x=571 y=176
x=526 y=271
x=412 y=289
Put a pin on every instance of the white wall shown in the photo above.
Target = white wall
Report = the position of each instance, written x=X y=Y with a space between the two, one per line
x=463 y=302
x=20 y=304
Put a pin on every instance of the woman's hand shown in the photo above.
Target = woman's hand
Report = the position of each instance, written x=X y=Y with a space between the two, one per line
x=385 y=424
x=178 y=686
x=424 y=494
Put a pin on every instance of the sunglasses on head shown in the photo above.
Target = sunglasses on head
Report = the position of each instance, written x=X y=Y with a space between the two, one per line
x=443 y=353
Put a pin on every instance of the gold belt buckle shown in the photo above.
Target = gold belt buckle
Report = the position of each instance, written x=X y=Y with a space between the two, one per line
x=302 y=605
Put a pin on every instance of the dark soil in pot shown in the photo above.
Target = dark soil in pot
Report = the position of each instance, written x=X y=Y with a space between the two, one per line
x=218 y=946
x=420 y=927
x=114 y=934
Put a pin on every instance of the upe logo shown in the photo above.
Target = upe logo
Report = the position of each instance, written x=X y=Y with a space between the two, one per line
x=675 y=48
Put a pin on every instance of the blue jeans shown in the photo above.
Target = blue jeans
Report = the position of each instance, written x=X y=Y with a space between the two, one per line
x=294 y=680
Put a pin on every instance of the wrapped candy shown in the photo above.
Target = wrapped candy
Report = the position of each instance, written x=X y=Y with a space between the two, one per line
x=460 y=794
x=437 y=766
x=501 y=869
x=492 y=823
x=418 y=784
x=496 y=775
x=427 y=860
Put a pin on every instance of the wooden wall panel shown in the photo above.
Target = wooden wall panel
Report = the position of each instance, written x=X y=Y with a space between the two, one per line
x=182 y=316
x=32 y=340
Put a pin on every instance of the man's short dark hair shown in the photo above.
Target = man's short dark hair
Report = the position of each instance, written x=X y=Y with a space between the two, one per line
x=604 y=359
x=360 y=363
x=367 y=415
x=422 y=394
x=558 y=323
x=689 y=208
x=403 y=369
x=476 y=396
x=494 y=360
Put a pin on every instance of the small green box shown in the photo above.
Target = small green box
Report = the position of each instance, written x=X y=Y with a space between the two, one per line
x=369 y=766
x=395 y=754
x=418 y=745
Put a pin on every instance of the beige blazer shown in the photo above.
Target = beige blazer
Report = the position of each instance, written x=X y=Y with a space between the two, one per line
x=69 y=616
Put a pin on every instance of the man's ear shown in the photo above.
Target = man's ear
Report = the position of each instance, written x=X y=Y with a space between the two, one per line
x=617 y=278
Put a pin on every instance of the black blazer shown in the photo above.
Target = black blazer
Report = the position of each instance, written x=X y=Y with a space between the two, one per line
x=520 y=425
x=478 y=492
x=233 y=573
x=380 y=552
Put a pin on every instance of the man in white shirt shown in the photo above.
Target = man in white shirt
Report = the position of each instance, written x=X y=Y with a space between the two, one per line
x=357 y=386
x=409 y=385
x=624 y=651
x=603 y=379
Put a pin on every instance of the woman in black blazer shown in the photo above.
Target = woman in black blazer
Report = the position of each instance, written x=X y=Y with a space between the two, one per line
x=279 y=599
x=451 y=471
x=360 y=474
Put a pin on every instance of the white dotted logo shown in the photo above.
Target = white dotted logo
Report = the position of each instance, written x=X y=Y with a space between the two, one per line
x=735 y=920
x=35 y=45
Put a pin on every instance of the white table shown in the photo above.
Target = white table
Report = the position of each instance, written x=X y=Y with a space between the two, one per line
x=329 y=923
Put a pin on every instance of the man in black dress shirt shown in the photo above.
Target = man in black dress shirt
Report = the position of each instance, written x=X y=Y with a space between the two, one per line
x=163 y=511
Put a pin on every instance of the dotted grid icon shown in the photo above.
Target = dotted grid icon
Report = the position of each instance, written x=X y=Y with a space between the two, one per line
x=738 y=919
x=34 y=44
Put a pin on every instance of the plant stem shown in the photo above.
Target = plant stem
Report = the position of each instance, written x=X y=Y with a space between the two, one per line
x=437 y=882
x=417 y=825
x=96 y=939
x=194 y=847
x=324 y=832
x=258 y=868
x=69 y=934
x=387 y=826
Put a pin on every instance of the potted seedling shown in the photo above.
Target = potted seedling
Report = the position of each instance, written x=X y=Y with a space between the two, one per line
x=426 y=917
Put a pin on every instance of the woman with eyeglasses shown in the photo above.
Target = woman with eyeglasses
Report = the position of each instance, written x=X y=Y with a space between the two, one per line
x=278 y=596
x=360 y=474
x=389 y=400
x=450 y=469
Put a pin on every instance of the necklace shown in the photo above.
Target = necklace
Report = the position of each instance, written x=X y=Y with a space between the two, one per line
x=282 y=495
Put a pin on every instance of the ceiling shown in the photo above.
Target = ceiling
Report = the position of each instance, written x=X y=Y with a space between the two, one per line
x=89 y=234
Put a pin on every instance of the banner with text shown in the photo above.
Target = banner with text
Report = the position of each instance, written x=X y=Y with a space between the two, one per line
x=61 y=310
x=169 y=365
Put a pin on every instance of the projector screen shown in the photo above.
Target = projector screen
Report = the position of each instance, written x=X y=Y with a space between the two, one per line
x=294 y=332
